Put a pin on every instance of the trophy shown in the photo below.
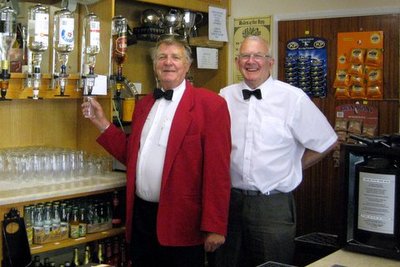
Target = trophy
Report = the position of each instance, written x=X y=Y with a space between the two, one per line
x=172 y=20
x=151 y=18
x=189 y=22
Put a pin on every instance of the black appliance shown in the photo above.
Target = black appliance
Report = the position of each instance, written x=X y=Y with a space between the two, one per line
x=371 y=170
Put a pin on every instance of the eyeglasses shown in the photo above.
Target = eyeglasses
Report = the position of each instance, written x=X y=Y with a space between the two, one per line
x=256 y=57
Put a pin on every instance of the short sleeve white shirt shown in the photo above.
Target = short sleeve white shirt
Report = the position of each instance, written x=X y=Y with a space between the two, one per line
x=270 y=135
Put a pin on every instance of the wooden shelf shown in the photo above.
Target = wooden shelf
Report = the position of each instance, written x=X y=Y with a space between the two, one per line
x=19 y=194
x=196 y=5
x=203 y=41
x=36 y=249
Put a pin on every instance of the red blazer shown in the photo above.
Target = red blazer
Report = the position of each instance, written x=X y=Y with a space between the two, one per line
x=195 y=187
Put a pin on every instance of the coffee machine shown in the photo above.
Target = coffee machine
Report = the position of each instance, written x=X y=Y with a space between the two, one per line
x=371 y=169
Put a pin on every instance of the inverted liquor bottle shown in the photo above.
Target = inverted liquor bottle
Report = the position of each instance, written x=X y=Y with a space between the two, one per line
x=119 y=47
x=8 y=34
x=90 y=48
x=63 y=44
x=38 y=42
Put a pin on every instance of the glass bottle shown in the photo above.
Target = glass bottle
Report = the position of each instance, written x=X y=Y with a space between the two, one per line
x=100 y=254
x=102 y=214
x=109 y=253
x=119 y=39
x=38 y=230
x=38 y=28
x=82 y=222
x=47 y=219
x=8 y=34
x=96 y=213
x=116 y=211
x=90 y=42
x=64 y=219
x=64 y=24
x=55 y=217
x=116 y=251
x=28 y=218
x=74 y=223
x=87 y=257
x=123 y=259
x=75 y=258
x=46 y=262
x=63 y=44
x=38 y=42
x=36 y=261
x=119 y=48
x=90 y=48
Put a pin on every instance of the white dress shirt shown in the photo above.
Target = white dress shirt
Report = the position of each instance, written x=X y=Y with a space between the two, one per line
x=153 y=145
x=270 y=135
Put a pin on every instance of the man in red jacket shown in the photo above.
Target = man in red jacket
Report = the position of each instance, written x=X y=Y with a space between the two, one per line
x=177 y=160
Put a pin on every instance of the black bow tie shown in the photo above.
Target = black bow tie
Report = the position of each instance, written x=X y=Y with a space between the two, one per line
x=158 y=93
x=248 y=93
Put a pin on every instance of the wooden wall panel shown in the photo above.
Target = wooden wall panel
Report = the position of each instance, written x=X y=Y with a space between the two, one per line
x=320 y=197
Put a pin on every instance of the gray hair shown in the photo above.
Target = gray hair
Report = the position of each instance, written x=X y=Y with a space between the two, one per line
x=260 y=39
x=172 y=40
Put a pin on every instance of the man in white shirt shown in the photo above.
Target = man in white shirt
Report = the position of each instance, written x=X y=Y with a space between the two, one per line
x=277 y=131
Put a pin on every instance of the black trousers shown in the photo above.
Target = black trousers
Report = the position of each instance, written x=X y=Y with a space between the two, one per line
x=146 y=251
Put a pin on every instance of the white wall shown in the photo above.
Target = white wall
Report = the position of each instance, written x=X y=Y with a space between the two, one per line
x=306 y=9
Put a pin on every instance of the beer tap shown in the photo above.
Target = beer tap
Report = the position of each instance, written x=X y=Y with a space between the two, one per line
x=8 y=34
x=63 y=44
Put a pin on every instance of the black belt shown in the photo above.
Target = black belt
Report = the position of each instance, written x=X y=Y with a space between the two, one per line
x=255 y=192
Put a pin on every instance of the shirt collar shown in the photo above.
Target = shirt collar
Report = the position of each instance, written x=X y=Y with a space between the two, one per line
x=178 y=91
x=261 y=87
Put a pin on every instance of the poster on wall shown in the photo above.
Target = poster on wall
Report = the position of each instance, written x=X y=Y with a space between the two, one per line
x=244 y=27
x=306 y=65
x=359 y=66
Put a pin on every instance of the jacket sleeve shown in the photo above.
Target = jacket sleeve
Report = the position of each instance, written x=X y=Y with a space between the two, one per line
x=114 y=140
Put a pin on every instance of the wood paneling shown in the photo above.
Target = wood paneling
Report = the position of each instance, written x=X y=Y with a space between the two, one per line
x=320 y=197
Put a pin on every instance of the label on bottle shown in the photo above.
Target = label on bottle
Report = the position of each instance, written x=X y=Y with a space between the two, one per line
x=38 y=235
x=64 y=230
x=116 y=221
x=39 y=29
x=82 y=229
x=74 y=230
x=95 y=33
x=66 y=33
x=29 y=233
x=120 y=45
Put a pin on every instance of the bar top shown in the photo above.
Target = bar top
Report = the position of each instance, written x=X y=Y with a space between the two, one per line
x=14 y=192
x=345 y=258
